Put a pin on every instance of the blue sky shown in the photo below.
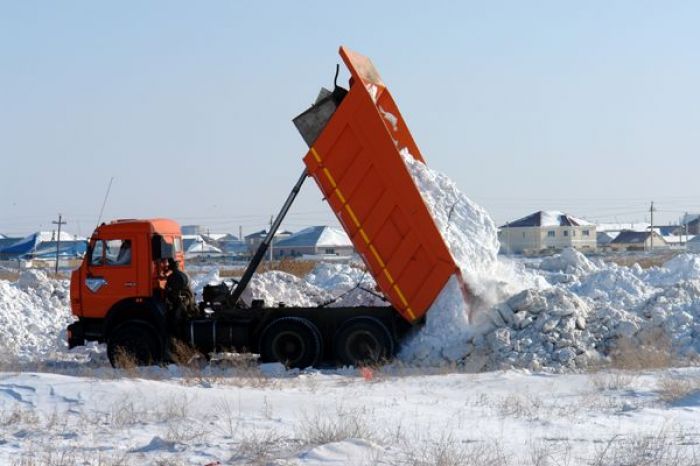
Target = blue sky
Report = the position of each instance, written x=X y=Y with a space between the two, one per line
x=588 y=107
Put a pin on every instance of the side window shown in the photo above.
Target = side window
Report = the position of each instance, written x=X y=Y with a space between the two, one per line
x=97 y=255
x=117 y=252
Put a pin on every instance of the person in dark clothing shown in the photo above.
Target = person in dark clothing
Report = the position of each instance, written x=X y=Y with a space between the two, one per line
x=178 y=294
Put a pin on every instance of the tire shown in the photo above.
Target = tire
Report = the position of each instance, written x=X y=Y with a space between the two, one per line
x=293 y=341
x=134 y=341
x=362 y=341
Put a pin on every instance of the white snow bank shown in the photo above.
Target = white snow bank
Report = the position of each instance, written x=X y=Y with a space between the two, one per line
x=34 y=313
x=472 y=238
x=328 y=284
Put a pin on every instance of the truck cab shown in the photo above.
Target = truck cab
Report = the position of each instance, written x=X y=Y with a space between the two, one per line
x=122 y=277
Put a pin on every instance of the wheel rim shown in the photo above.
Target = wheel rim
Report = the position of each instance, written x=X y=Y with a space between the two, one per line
x=289 y=347
x=363 y=345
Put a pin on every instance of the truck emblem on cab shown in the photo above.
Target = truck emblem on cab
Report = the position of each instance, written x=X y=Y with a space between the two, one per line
x=94 y=284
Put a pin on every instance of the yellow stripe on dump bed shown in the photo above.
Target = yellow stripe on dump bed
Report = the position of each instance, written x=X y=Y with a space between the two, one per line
x=370 y=246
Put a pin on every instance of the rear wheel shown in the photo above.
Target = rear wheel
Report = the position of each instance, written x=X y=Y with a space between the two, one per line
x=133 y=343
x=293 y=341
x=363 y=340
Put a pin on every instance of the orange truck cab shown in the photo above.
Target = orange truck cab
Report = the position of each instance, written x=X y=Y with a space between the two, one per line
x=124 y=295
x=123 y=269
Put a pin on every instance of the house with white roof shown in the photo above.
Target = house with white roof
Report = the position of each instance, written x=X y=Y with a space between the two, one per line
x=547 y=231
x=317 y=240
x=197 y=247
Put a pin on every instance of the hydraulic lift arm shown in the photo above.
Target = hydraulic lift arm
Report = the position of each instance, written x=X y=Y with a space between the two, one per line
x=262 y=249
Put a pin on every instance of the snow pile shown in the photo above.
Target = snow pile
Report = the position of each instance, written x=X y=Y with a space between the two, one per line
x=580 y=321
x=565 y=313
x=328 y=284
x=472 y=238
x=34 y=313
x=466 y=227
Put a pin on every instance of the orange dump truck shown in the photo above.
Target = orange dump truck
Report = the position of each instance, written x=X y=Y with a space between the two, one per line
x=130 y=292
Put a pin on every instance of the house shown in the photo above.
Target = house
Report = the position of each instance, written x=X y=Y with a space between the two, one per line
x=614 y=229
x=638 y=241
x=231 y=245
x=692 y=224
x=253 y=240
x=603 y=238
x=197 y=246
x=677 y=241
x=547 y=230
x=317 y=240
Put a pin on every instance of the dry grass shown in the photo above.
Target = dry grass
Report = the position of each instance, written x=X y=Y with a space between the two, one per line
x=126 y=362
x=612 y=380
x=448 y=450
x=672 y=389
x=657 y=449
x=10 y=275
x=322 y=427
x=645 y=261
x=297 y=268
x=186 y=355
x=650 y=349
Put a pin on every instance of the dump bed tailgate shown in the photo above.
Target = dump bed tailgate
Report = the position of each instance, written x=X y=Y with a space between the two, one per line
x=357 y=164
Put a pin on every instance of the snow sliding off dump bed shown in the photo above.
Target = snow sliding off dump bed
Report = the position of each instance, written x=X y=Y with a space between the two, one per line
x=355 y=139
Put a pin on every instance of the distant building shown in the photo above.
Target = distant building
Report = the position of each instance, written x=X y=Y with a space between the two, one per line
x=693 y=245
x=603 y=239
x=614 y=229
x=197 y=246
x=692 y=224
x=677 y=241
x=318 y=240
x=253 y=240
x=231 y=245
x=638 y=241
x=42 y=244
x=547 y=230
x=193 y=230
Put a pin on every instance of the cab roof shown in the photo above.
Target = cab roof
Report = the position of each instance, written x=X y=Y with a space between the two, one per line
x=161 y=226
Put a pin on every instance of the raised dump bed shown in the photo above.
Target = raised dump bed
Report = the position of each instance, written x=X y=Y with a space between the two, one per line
x=355 y=158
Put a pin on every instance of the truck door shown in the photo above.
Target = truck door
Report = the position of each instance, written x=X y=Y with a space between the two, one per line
x=112 y=274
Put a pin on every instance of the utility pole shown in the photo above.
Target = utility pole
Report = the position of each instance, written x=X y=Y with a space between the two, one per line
x=651 y=212
x=272 y=240
x=58 y=240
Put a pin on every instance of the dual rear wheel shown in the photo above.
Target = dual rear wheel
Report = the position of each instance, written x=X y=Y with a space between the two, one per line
x=296 y=342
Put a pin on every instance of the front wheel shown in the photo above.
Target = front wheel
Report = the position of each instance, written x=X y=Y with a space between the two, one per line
x=133 y=343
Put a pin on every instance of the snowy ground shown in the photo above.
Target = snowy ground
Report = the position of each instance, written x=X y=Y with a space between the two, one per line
x=70 y=407
x=519 y=373
x=268 y=416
